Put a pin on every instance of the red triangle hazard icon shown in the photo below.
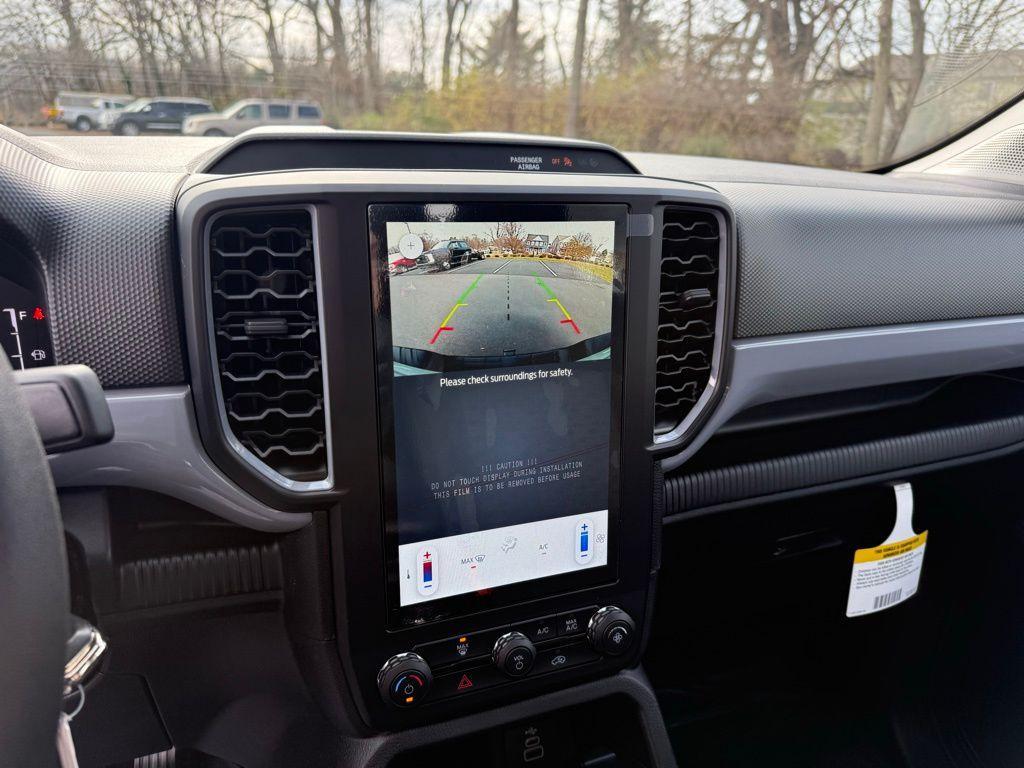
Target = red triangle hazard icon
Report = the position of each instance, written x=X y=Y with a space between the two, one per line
x=465 y=683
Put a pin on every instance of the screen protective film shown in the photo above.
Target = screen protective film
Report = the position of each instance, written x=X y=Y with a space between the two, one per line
x=500 y=390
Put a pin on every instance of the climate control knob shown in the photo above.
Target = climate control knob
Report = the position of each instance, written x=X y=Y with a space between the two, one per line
x=514 y=654
x=404 y=680
x=611 y=631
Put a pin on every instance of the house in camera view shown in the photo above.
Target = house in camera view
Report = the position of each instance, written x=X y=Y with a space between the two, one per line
x=537 y=243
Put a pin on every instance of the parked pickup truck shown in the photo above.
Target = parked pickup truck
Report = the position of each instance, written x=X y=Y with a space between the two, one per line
x=83 y=111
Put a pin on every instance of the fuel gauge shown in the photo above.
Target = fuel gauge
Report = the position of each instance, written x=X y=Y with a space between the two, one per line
x=24 y=326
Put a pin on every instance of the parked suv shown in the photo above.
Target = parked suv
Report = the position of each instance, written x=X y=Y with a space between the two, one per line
x=251 y=113
x=82 y=111
x=163 y=114
x=448 y=254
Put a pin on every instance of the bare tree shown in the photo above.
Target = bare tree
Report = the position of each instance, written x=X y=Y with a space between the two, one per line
x=629 y=19
x=266 y=20
x=341 y=73
x=572 y=114
x=371 y=71
x=512 y=53
x=455 y=12
x=319 y=35
x=917 y=62
x=879 y=86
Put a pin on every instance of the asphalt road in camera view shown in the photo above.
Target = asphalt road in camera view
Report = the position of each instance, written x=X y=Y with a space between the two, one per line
x=499 y=306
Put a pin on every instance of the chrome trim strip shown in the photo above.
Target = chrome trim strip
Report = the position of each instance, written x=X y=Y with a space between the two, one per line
x=778 y=368
x=156 y=447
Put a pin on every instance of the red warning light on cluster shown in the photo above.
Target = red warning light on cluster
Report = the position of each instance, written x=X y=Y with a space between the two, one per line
x=38 y=314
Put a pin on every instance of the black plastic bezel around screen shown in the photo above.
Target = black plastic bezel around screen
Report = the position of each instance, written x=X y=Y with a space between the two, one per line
x=459 y=605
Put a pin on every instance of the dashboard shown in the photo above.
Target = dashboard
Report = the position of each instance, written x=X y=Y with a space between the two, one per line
x=486 y=371
x=492 y=486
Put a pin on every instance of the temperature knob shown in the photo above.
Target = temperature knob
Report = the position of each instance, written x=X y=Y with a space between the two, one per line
x=404 y=680
x=514 y=654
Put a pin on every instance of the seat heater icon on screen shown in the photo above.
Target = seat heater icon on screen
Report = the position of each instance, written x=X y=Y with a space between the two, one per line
x=426 y=571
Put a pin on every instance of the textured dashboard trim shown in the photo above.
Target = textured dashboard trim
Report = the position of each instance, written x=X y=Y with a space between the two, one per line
x=689 y=493
x=156 y=446
x=105 y=243
x=201 y=575
x=814 y=259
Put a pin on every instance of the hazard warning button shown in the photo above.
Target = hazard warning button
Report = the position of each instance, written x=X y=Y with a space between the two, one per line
x=465 y=682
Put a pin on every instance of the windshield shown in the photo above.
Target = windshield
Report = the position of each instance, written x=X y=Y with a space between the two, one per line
x=136 y=105
x=837 y=83
x=232 y=108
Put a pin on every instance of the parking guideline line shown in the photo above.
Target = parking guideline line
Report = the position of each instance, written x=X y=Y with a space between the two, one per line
x=547 y=290
x=459 y=302
x=452 y=312
x=568 y=318
x=562 y=307
x=469 y=290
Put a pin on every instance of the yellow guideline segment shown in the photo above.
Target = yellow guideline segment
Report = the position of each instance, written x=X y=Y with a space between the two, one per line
x=449 y=315
x=564 y=311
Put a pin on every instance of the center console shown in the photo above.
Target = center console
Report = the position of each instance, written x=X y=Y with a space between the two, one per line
x=487 y=356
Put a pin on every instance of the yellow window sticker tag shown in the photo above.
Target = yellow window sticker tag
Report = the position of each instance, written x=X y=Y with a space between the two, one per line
x=889 y=574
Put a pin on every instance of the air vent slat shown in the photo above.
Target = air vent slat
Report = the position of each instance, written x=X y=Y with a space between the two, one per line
x=687 y=307
x=267 y=330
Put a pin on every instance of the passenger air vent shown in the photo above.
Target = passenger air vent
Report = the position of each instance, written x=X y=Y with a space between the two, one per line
x=267 y=334
x=687 y=308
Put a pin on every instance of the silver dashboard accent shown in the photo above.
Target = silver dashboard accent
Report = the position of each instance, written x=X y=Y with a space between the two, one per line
x=156 y=447
x=778 y=368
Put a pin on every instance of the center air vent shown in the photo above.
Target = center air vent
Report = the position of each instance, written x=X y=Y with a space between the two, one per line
x=266 y=326
x=687 y=308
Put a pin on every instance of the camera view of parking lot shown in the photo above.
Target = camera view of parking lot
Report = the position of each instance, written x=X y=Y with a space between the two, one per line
x=487 y=294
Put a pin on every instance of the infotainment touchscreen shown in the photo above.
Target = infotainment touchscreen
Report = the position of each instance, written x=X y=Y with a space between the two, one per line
x=498 y=338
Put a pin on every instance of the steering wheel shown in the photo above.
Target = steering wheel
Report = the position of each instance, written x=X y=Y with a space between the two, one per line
x=33 y=588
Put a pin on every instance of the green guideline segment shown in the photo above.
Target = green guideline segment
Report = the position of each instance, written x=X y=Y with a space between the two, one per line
x=461 y=302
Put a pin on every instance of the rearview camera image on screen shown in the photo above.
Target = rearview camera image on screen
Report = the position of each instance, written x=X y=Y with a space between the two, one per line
x=501 y=338
x=488 y=294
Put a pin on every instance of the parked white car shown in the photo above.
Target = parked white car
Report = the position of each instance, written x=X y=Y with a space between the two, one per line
x=253 y=113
